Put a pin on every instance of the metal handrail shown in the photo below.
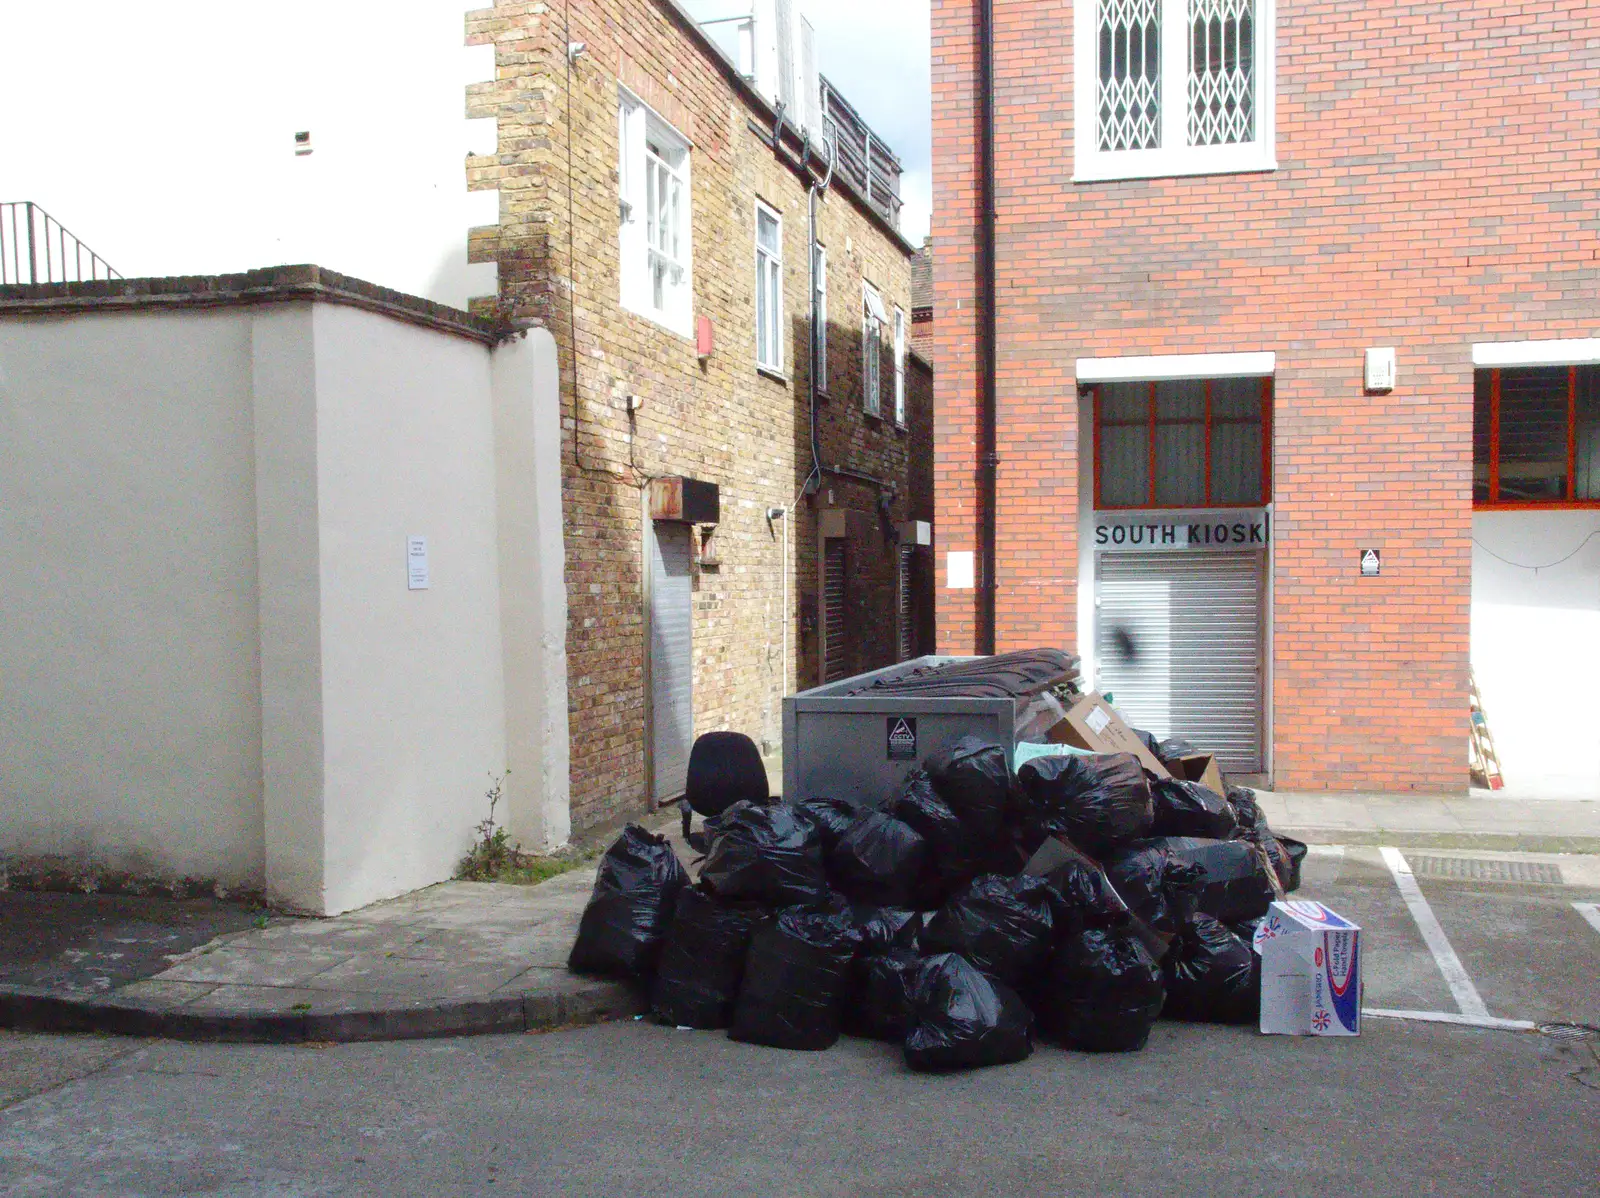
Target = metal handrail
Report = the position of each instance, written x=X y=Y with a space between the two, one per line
x=37 y=248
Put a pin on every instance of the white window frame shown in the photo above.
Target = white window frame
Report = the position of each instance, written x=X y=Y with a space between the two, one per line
x=900 y=367
x=640 y=259
x=1174 y=156
x=819 y=272
x=769 y=281
x=873 y=318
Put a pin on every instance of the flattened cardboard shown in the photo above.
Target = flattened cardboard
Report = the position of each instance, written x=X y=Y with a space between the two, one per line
x=1092 y=725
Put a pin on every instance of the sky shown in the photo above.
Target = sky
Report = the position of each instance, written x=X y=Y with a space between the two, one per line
x=877 y=53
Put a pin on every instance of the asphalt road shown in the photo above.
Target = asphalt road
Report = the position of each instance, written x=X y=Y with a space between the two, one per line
x=1408 y=1108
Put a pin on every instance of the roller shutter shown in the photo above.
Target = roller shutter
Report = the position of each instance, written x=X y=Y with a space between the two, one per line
x=671 y=659
x=908 y=607
x=834 y=662
x=1193 y=622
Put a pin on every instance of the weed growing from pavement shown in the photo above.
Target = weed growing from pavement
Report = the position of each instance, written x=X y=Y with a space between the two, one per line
x=495 y=858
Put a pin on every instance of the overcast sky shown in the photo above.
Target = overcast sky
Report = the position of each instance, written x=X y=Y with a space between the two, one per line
x=876 y=52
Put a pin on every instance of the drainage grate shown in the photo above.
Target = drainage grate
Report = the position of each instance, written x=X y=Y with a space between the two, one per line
x=1476 y=869
x=1570 y=1031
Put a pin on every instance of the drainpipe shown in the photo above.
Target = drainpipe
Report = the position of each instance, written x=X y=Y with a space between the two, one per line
x=988 y=436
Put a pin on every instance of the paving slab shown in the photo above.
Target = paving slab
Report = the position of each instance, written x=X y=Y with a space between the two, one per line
x=455 y=959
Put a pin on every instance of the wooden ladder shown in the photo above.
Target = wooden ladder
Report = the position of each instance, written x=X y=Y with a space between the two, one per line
x=1483 y=760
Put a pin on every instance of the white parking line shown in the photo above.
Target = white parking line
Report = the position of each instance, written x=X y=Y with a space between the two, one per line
x=1455 y=975
x=1487 y=1021
x=1590 y=913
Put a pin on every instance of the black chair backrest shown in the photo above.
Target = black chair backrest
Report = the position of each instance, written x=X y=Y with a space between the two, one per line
x=724 y=768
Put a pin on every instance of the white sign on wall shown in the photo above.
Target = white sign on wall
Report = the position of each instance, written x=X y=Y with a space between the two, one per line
x=959 y=570
x=1245 y=529
x=417 y=563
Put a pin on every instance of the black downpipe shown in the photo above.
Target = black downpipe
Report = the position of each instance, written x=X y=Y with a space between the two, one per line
x=988 y=382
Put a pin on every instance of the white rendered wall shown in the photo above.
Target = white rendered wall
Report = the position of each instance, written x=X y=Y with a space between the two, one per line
x=412 y=695
x=1536 y=647
x=129 y=710
x=162 y=134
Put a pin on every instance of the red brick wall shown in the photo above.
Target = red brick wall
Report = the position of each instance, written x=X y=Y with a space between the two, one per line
x=1434 y=189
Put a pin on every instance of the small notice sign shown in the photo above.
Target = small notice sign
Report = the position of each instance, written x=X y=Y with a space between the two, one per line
x=902 y=738
x=417 y=563
x=1371 y=562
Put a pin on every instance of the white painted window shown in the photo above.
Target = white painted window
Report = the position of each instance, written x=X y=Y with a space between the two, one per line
x=1173 y=87
x=873 y=318
x=819 y=269
x=769 y=289
x=900 y=368
x=653 y=217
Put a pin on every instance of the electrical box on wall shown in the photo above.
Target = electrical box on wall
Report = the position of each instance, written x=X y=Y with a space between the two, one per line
x=688 y=500
x=1380 y=369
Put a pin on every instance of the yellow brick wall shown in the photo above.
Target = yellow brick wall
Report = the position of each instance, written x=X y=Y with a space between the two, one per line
x=722 y=421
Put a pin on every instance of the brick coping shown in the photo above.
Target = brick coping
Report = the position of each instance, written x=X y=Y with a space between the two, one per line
x=269 y=285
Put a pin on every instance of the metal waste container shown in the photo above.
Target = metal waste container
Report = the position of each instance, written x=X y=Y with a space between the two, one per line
x=858 y=738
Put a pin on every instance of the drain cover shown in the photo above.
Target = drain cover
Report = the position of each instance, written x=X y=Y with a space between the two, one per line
x=1570 y=1031
x=1476 y=869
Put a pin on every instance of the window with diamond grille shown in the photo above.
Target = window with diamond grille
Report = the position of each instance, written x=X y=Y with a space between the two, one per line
x=1222 y=74
x=1130 y=74
x=1173 y=87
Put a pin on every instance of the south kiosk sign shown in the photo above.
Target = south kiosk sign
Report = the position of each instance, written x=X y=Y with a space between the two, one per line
x=1145 y=531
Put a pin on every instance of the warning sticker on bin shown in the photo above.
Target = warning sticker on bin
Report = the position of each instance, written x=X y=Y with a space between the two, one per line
x=902 y=738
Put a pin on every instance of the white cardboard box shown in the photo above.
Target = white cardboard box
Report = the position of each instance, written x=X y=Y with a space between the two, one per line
x=1310 y=971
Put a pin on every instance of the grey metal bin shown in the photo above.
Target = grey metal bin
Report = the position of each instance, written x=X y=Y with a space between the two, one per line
x=858 y=738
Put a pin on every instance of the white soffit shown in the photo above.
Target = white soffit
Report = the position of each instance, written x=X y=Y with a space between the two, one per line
x=1579 y=351
x=1176 y=366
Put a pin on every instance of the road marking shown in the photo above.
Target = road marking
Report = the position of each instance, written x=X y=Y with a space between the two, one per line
x=1590 y=913
x=1455 y=975
x=1487 y=1021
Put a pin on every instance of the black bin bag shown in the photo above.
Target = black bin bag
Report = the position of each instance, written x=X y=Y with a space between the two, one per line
x=879 y=859
x=1000 y=925
x=1295 y=851
x=948 y=861
x=1160 y=891
x=1190 y=809
x=765 y=854
x=884 y=928
x=1103 y=992
x=630 y=908
x=1246 y=811
x=1097 y=802
x=1084 y=896
x=796 y=978
x=1211 y=975
x=833 y=817
x=703 y=960
x=880 y=1001
x=1237 y=879
x=962 y=1019
x=973 y=777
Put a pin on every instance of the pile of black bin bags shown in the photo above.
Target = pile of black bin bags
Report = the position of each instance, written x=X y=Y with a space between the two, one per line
x=1076 y=901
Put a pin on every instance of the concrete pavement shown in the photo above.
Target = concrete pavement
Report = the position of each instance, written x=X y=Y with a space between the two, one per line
x=457 y=958
x=1479 y=820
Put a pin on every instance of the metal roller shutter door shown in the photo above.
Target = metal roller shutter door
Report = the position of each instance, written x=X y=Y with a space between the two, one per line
x=1195 y=620
x=833 y=609
x=671 y=659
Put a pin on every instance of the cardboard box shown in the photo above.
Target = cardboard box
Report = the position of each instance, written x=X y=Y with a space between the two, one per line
x=1201 y=768
x=1092 y=725
x=1310 y=971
